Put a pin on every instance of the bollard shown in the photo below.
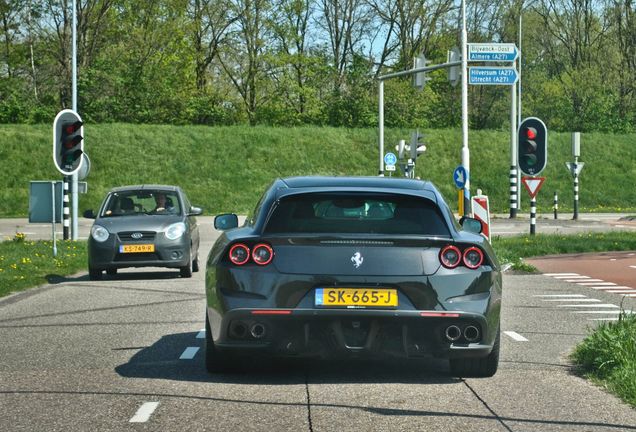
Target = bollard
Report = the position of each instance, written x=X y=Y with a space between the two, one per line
x=556 y=205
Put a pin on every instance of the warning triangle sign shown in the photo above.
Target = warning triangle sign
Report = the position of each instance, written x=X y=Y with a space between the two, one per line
x=533 y=184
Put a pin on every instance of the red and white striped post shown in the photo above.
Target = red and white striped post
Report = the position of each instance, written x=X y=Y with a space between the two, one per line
x=481 y=212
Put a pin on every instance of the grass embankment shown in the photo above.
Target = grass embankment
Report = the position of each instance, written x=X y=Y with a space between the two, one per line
x=608 y=357
x=226 y=168
x=25 y=264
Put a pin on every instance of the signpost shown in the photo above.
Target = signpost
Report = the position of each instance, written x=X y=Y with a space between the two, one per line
x=533 y=185
x=492 y=52
x=492 y=75
x=460 y=177
x=575 y=169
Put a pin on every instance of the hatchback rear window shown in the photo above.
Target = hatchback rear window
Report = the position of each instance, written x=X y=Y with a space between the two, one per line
x=357 y=214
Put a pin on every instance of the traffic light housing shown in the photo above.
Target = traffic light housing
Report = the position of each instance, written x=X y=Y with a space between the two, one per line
x=532 y=146
x=68 y=141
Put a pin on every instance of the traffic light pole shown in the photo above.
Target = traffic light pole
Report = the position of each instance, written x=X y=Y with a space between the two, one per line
x=514 y=190
x=65 y=210
x=75 y=196
x=575 y=215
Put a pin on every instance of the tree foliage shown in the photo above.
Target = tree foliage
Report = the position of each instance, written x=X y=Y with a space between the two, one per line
x=293 y=62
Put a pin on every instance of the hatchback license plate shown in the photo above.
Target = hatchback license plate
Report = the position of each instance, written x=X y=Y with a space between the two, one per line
x=361 y=297
x=140 y=248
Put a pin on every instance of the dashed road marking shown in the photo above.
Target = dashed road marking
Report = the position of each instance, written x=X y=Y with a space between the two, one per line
x=614 y=311
x=604 y=305
x=622 y=291
x=573 y=300
x=586 y=280
x=596 y=283
x=634 y=267
x=603 y=319
x=189 y=353
x=607 y=288
x=572 y=277
x=516 y=336
x=560 y=274
x=561 y=295
x=201 y=334
x=144 y=412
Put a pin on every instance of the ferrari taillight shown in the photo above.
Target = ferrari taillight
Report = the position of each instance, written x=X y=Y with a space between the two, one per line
x=450 y=256
x=262 y=254
x=473 y=257
x=239 y=254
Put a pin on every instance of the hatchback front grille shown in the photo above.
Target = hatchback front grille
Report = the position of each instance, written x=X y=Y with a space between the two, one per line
x=146 y=236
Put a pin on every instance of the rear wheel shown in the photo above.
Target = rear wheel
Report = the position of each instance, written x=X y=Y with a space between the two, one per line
x=216 y=361
x=195 y=263
x=477 y=367
x=94 y=274
x=186 y=271
x=111 y=272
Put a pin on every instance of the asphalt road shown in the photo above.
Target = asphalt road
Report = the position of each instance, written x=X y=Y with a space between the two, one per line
x=125 y=353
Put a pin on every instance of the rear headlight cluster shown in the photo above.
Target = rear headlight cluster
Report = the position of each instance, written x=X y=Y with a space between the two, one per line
x=261 y=254
x=451 y=256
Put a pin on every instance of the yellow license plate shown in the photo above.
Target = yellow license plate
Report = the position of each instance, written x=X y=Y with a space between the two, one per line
x=138 y=248
x=361 y=297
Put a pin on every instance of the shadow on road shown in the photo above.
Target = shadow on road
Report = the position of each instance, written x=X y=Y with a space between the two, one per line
x=120 y=276
x=161 y=361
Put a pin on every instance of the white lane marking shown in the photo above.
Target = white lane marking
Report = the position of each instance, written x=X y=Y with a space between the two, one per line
x=189 y=353
x=596 y=283
x=572 y=300
x=572 y=277
x=603 y=319
x=630 y=254
x=586 y=280
x=201 y=334
x=560 y=295
x=613 y=311
x=144 y=412
x=516 y=336
x=606 y=288
x=611 y=259
x=630 y=295
x=560 y=274
x=629 y=266
x=604 y=305
x=621 y=291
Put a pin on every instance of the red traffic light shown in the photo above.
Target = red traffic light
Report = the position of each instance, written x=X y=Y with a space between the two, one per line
x=531 y=133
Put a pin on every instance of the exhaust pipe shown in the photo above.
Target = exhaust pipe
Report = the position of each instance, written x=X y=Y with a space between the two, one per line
x=238 y=329
x=471 y=333
x=257 y=331
x=453 y=333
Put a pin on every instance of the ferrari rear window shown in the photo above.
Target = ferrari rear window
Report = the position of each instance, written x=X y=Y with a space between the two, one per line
x=357 y=214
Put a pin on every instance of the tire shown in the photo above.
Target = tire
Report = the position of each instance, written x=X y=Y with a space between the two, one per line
x=94 y=274
x=483 y=367
x=111 y=272
x=216 y=361
x=186 y=271
x=195 y=264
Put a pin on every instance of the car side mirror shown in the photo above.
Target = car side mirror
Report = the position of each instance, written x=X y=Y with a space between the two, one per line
x=225 y=221
x=471 y=225
x=195 y=211
x=89 y=214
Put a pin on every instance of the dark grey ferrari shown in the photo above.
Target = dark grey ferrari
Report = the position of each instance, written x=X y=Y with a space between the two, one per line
x=353 y=267
x=144 y=226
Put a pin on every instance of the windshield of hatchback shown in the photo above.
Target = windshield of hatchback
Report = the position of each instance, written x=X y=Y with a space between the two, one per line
x=130 y=203
x=358 y=214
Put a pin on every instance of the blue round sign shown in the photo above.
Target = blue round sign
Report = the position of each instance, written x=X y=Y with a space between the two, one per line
x=460 y=177
x=390 y=159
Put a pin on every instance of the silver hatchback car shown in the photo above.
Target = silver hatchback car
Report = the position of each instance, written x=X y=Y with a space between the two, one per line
x=144 y=226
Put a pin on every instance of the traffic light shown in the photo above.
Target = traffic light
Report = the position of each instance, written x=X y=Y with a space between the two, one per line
x=420 y=78
x=68 y=141
x=532 y=147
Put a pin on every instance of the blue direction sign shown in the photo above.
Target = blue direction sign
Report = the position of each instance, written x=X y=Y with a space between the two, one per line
x=492 y=52
x=460 y=176
x=488 y=75
x=390 y=159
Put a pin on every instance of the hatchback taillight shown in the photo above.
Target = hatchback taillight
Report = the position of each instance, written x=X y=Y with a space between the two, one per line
x=262 y=254
x=239 y=254
x=450 y=256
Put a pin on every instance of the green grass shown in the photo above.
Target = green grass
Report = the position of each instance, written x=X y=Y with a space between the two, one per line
x=514 y=249
x=607 y=357
x=226 y=168
x=25 y=264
